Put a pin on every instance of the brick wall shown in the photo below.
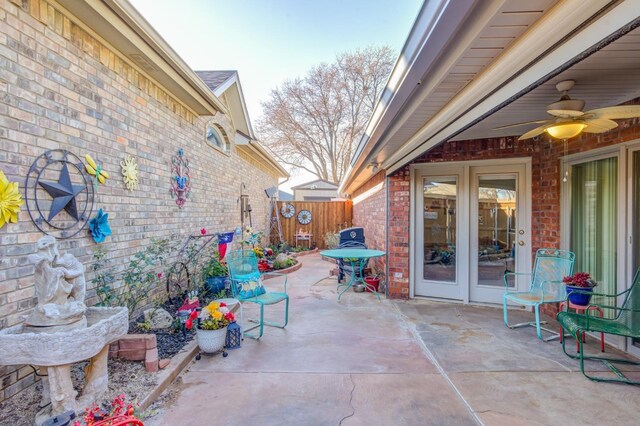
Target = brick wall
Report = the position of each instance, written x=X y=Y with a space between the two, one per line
x=371 y=214
x=62 y=88
x=546 y=180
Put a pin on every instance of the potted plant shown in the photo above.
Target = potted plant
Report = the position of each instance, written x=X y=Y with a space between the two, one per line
x=211 y=329
x=215 y=274
x=373 y=280
x=579 y=286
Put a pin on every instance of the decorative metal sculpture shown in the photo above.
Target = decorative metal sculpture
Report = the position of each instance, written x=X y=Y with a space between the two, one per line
x=180 y=180
x=304 y=217
x=130 y=172
x=10 y=200
x=56 y=181
x=99 y=226
x=287 y=210
x=96 y=171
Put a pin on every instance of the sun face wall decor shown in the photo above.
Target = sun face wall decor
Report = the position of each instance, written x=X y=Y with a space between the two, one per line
x=10 y=200
x=130 y=172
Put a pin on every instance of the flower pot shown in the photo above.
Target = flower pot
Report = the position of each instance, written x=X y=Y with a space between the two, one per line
x=579 y=298
x=215 y=284
x=372 y=282
x=211 y=341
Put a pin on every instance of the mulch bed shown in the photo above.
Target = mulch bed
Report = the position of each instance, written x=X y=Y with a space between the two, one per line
x=125 y=377
x=170 y=342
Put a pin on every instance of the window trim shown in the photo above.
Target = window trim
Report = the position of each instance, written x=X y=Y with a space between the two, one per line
x=220 y=134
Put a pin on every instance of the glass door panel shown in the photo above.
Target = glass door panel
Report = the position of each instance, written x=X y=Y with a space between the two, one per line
x=594 y=227
x=439 y=227
x=496 y=197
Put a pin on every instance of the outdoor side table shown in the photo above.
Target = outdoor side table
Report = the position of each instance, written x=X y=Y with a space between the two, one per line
x=584 y=309
x=357 y=258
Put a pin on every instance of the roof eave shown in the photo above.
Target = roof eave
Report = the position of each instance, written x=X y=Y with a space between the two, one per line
x=120 y=25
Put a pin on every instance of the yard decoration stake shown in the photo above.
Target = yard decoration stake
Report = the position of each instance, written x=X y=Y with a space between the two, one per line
x=180 y=180
x=10 y=200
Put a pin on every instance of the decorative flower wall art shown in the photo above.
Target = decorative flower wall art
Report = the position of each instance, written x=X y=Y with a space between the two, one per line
x=99 y=226
x=130 y=172
x=10 y=200
x=180 y=180
x=96 y=171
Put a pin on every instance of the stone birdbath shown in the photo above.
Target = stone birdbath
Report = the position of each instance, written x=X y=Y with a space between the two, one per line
x=61 y=331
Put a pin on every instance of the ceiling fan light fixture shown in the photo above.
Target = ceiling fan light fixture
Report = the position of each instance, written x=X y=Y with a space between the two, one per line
x=565 y=130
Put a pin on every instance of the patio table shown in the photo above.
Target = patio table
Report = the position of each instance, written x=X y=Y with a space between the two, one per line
x=357 y=257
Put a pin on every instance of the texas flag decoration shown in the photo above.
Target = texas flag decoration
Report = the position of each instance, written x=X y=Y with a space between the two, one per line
x=223 y=240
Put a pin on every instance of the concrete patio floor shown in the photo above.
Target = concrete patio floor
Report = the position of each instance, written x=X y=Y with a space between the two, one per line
x=364 y=362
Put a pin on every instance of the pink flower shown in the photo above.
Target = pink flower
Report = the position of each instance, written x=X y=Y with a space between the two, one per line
x=203 y=231
x=159 y=275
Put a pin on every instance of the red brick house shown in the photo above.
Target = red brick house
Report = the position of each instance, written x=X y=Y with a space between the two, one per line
x=456 y=198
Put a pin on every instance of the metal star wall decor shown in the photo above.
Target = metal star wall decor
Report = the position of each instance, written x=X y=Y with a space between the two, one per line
x=59 y=194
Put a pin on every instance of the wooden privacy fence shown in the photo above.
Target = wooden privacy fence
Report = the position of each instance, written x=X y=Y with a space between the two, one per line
x=326 y=216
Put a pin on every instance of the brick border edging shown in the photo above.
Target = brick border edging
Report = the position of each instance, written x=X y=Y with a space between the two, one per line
x=169 y=374
x=304 y=253
x=289 y=270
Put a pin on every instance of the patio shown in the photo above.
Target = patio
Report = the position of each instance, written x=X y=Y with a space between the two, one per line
x=361 y=361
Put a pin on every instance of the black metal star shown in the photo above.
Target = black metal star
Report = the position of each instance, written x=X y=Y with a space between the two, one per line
x=64 y=194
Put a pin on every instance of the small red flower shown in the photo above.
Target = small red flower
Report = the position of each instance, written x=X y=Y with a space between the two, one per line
x=203 y=231
x=188 y=324
x=159 y=275
x=194 y=315
x=222 y=304
x=229 y=316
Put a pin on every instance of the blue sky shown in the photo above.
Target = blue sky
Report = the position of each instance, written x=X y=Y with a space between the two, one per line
x=269 y=41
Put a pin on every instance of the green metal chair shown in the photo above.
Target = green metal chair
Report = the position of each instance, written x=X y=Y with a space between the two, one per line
x=246 y=286
x=550 y=267
x=626 y=322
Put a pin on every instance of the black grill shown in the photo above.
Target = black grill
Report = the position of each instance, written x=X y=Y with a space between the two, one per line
x=350 y=238
x=355 y=234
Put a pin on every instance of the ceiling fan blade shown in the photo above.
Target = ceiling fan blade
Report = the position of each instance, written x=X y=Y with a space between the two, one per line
x=616 y=112
x=535 y=132
x=565 y=113
x=507 y=126
x=599 y=125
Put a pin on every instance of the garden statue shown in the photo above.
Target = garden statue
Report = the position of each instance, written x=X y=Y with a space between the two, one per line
x=62 y=331
x=60 y=289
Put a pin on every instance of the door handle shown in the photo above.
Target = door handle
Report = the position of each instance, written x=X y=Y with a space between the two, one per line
x=520 y=243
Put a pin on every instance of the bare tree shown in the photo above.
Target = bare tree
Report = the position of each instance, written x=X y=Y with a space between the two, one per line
x=314 y=122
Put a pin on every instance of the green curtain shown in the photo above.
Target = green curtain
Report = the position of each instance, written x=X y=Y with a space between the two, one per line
x=594 y=222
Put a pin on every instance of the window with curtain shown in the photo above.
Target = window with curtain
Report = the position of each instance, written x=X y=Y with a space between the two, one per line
x=594 y=222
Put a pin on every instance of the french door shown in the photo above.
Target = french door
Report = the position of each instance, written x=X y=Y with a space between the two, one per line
x=471 y=225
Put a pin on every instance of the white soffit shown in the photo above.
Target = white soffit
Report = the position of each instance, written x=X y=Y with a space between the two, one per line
x=526 y=62
x=609 y=77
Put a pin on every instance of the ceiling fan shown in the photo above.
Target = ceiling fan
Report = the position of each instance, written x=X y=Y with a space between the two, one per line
x=568 y=120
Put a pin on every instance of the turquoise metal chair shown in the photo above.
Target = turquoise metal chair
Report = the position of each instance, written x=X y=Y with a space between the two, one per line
x=626 y=322
x=550 y=267
x=246 y=286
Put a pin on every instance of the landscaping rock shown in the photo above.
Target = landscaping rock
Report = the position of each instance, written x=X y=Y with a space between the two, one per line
x=158 y=318
x=282 y=257
x=163 y=363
